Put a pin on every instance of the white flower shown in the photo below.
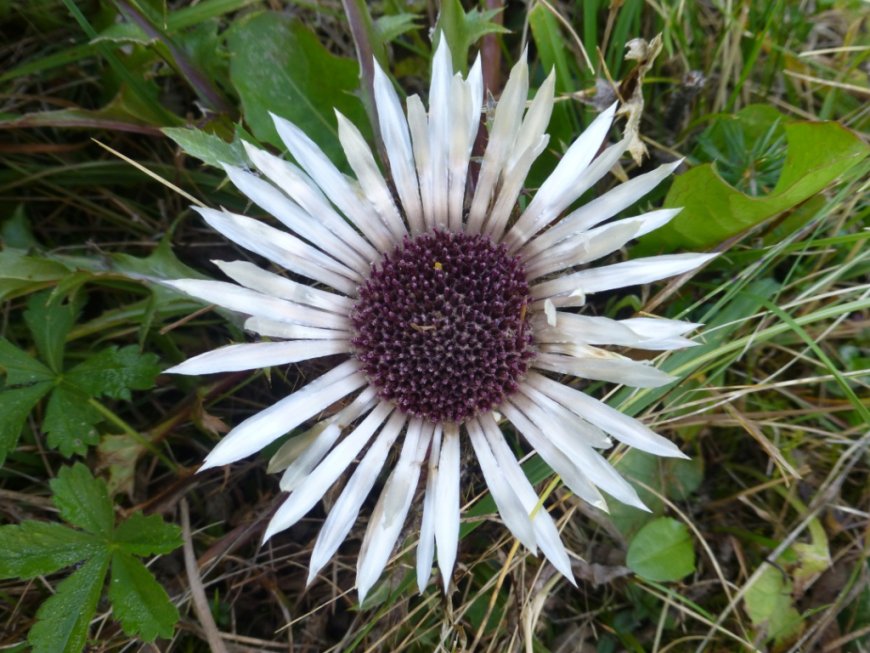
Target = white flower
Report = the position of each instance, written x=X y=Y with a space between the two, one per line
x=451 y=310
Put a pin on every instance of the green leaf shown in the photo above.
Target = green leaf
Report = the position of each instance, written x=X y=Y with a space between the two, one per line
x=769 y=605
x=70 y=421
x=389 y=28
x=463 y=29
x=114 y=372
x=35 y=548
x=208 y=148
x=20 y=367
x=17 y=232
x=83 y=500
x=50 y=320
x=15 y=406
x=713 y=211
x=142 y=536
x=662 y=551
x=62 y=621
x=20 y=272
x=278 y=65
x=139 y=602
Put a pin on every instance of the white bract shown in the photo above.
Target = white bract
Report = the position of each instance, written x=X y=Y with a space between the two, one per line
x=339 y=231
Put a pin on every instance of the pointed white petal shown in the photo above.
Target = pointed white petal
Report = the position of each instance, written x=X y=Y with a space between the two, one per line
x=322 y=216
x=598 y=242
x=397 y=143
x=426 y=545
x=531 y=142
x=268 y=425
x=512 y=512
x=250 y=276
x=276 y=329
x=250 y=302
x=563 y=185
x=447 y=504
x=622 y=427
x=624 y=371
x=601 y=208
x=249 y=356
x=458 y=152
x=546 y=533
x=502 y=136
x=346 y=509
x=418 y=124
x=659 y=328
x=591 y=464
x=392 y=509
x=333 y=183
x=314 y=486
x=618 y=275
x=360 y=158
x=558 y=417
x=571 y=474
x=293 y=216
x=299 y=455
x=593 y=330
x=284 y=249
x=440 y=118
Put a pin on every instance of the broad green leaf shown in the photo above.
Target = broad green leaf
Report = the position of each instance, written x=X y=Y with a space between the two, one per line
x=662 y=551
x=208 y=148
x=35 y=548
x=769 y=605
x=142 y=536
x=138 y=600
x=50 y=320
x=70 y=421
x=83 y=500
x=113 y=372
x=278 y=65
x=62 y=621
x=20 y=367
x=20 y=272
x=15 y=406
x=463 y=29
x=389 y=28
x=713 y=211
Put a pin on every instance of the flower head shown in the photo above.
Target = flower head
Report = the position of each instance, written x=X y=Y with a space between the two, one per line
x=453 y=310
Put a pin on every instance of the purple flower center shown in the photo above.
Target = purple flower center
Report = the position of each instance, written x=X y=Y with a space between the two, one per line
x=441 y=327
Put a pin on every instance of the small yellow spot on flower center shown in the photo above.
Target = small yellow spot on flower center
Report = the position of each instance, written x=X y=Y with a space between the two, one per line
x=438 y=266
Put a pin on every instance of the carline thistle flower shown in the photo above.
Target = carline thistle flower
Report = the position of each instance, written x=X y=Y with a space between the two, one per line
x=453 y=310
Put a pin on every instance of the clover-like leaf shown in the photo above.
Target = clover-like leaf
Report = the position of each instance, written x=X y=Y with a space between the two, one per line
x=113 y=372
x=147 y=535
x=35 y=548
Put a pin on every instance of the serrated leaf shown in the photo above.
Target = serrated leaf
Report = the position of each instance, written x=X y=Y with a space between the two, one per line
x=50 y=320
x=769 y=604
x=62 y=621
x=208 y=148
x=35 y=548
x=713 y=211
x=83 y=500
x=662 y=551
x=138 y=600
x=142 y=536
x=113 y=372
x=464 y=28
x=20 y=367
x=388 y=28
x=277 y=64
x=15 y=264
x=15 y=406
x=70 y=421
